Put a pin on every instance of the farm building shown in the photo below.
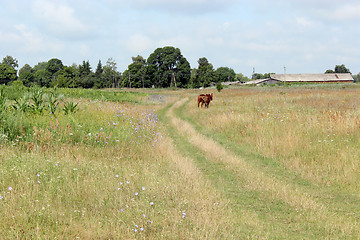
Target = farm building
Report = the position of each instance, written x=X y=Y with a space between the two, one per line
x=316 y=78
x=262 y=81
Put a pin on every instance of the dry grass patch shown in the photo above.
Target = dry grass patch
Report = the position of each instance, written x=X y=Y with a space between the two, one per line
x=314 y=131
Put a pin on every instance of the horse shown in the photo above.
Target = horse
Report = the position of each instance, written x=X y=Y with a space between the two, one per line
x=205 y=98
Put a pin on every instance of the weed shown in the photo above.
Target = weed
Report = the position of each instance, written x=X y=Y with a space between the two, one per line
x=37 y=105
x=70 y=107
x=53 y=101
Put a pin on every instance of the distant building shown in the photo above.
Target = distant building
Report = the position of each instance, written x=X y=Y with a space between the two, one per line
x=316 y=78
x=262 y=81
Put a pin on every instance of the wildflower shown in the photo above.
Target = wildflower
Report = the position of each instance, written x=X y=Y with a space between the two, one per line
x=1 y=197
x=144 y=215
x=183 y=215
x=121 y=183
x=136 y=193
x=38 y=181
x=10 y=188
x=127 y=182
x=143 y=188
x=116 y=175
x=135 y=230
x=38 y=175
x=56 y=164
x=151 y=203
x=121 y=210
x=141 y=229
x=118 y=189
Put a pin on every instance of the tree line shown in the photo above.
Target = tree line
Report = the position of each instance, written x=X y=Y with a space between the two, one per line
x=165 y=67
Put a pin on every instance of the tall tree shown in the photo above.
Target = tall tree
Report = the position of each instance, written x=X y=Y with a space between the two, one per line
x=168 y=67
x=84 y=69
x=7 y=74
x=26 y=75
x=341 y=69
x=110 y=74
x=224 y=74
x=205 y=74
x=10 y=61
x=99 y=76
x=54 y=65
x=65 y=77
x=134 y=76
x=99 y=70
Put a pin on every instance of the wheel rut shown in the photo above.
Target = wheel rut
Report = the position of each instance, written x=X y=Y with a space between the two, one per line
x=256 y=194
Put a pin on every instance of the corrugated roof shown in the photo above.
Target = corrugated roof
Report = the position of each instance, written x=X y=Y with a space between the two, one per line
x=260 y=81
x=327 y=77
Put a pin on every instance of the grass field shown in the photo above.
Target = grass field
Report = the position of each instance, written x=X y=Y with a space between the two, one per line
x=259 y=163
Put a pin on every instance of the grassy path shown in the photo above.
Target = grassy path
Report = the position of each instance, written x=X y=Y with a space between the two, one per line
x=264 y=205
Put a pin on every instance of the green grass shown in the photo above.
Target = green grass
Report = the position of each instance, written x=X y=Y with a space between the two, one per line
x=192 y=173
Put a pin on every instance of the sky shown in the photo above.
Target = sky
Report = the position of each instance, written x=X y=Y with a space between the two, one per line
x=291 y=36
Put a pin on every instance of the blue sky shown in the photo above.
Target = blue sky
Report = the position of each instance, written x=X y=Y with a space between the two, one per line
x=305 y=36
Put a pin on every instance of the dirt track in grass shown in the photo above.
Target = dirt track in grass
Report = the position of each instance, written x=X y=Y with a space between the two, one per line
x=278 y=209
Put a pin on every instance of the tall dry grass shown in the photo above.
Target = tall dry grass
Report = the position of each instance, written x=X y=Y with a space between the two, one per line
x=129 y=184
x=313 y=131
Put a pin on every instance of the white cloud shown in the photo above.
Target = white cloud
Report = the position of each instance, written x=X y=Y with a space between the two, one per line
x=346 y=12
x=138 y=43
x=29 y=41
x=304 y=22
x=59 y=19
x=185 y=6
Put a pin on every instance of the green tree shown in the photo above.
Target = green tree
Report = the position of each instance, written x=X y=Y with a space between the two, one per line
x=54 y=65
x=65 y=77
x=134 y=76
x=110 y=75
x=42 y=78
x=99 y=70
x=205 y=74
x=167 y=67
x=84 y=69
x=7 y=74
x=85 y=77
x=25 y=68
x=240 y=77
x=26 y=75
x=40 y=66
x=225 y=74
x=10 y=61
x=99 y=76
x=341 y=69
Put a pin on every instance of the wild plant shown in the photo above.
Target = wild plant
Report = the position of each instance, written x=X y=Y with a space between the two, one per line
x=22 y=104
x=37 y=105
x=2 y=100
x=70 y=107
x=53 y=101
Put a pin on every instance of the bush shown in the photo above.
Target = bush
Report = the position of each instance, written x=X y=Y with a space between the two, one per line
x=219 y=86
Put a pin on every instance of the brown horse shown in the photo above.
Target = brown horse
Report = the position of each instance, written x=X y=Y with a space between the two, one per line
x=205 y=99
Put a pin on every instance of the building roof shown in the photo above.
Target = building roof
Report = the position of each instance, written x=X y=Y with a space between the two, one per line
x=260 y=81
x=327 y=77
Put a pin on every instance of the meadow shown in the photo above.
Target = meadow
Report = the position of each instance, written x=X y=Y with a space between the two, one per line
x=259 y=163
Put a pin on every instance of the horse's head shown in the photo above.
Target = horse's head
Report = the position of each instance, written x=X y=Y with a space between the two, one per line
x=210 y=96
